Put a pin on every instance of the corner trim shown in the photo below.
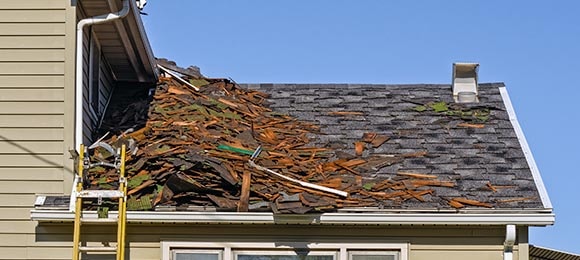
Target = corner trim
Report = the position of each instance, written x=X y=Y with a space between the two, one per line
x=526 y=148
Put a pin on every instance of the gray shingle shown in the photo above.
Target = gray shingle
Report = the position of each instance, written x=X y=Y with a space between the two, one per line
x=470 y=156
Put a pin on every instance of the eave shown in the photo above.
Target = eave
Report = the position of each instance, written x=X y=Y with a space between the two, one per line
x=528 y=218
x=124 y=43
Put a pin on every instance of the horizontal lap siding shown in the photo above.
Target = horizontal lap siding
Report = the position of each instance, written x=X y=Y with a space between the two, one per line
x=431 y=243
x=32 y=111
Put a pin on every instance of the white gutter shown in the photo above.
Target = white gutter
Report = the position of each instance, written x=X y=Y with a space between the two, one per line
x=526 y=149
x=79 y=63
x=510 y=240
x=492 y=218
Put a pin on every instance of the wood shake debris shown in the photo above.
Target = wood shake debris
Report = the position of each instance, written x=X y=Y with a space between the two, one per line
x=193 y=153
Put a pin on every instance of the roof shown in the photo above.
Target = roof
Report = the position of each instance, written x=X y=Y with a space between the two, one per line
x=487 y=163
x=436 y=158
x=543 y=253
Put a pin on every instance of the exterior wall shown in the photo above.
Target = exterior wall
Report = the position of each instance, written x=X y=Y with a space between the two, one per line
x=425 y=242
x=36 y=116
x=105 y=82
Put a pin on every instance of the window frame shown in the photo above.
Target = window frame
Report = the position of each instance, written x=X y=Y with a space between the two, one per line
x=219 y=252
x=326 y=252
x=229 y=248
x=94 y=75
x=373 y=252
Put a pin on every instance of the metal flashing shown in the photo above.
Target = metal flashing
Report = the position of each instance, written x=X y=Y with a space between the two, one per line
x=526 y=149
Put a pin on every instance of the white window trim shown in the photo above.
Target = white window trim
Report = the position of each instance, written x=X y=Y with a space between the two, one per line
x=351 y=253
x=229 y=247
x=333 y=252
x=191 y=250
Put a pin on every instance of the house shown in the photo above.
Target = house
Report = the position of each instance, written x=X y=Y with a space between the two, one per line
x=542 y=253
x=469 y=133
x=37 y=101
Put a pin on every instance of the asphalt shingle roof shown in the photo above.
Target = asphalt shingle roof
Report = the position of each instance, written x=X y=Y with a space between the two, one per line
x=472 y=157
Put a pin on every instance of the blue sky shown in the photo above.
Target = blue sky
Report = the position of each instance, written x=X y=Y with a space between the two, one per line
x=532 y=46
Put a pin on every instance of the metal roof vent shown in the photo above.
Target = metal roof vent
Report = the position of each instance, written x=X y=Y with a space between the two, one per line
x=465 y=82
x=141 y=4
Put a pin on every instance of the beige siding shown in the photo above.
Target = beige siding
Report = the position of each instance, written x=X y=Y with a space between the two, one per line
x=28 y=174
x=33 y=107
x=31 y=147
x=16 y=200
x=32 y=81
x=31 y=121
x=32 y=68
x=448 y=242
x=31 y=16
x=33 y=4
x=38 y=55
x=31 y=42
x=31 y=94
x=33 y=64
x=12 y=28
x=31 y=134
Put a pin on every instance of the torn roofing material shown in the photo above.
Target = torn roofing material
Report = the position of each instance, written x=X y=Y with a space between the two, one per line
x=483 y=156
x=388 y=146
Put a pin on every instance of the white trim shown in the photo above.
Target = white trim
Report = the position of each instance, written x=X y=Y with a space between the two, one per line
x=526 y=148
x=394 y=253
x=218 y=252
x=334 y=252
x=166 y=247
x=148 y=50
x=491 y=218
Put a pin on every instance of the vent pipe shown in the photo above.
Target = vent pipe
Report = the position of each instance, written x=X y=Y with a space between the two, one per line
x=464 y=82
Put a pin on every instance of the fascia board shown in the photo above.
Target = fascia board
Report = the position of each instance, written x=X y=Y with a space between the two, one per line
x=146 y=52
x=136 y=43
x=526 y=149
x=534 y=219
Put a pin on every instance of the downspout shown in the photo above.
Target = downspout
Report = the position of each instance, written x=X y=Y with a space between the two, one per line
x=99 y=19
x=510 y=240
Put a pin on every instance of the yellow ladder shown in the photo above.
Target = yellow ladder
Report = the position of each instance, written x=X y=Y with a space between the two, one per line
x=120 y=194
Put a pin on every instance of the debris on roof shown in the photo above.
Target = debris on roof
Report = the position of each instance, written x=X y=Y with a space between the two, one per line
x=193 y=151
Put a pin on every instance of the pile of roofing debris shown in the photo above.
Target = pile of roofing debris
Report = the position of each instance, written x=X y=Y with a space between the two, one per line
x=218 y=146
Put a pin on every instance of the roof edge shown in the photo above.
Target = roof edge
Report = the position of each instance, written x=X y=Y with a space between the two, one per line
x=137 y=38
x=492 y=218
x=540 y=251
x=308 y=84
x=526 y=149
x=148 y=51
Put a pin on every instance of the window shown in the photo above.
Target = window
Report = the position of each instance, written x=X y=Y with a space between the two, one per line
x=283 y=251
x=284 y=255
x=197 y=255
x=372 y=255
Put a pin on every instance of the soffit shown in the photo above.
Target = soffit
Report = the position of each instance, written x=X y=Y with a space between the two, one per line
x=123 y=42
